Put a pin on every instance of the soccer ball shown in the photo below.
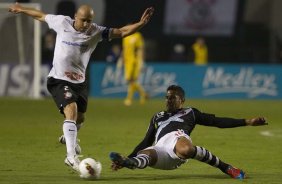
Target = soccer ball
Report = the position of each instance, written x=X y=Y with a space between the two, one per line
x=89 y=168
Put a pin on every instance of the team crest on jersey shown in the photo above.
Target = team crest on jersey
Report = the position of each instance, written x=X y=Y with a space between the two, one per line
x=68 y=95
x=160 y=114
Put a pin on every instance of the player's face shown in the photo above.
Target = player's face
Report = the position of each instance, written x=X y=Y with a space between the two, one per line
x=173 y=101
x=83 y=21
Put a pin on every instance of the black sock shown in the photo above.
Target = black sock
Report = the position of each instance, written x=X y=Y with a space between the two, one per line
x=204 y=155
x=142 y=160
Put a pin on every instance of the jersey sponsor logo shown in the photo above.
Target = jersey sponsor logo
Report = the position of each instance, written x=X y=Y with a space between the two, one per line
x=75 y=44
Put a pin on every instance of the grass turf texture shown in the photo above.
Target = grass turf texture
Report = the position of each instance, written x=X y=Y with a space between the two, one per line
x=30 y=152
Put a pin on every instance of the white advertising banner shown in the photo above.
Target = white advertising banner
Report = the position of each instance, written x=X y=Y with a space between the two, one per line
x=18 y=80
x=200 y=17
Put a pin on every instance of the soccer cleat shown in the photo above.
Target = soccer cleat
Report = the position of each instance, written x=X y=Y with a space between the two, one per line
x=122 y=161
x=62 y=140
x=73 y=162
x=235 y=173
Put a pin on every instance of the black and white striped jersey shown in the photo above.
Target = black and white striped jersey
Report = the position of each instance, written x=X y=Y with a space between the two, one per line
x=185 y=119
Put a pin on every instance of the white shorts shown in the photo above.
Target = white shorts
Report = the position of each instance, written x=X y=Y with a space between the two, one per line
x=167 y=159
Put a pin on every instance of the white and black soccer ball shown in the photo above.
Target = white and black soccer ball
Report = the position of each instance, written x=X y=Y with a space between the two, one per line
x=90 y=168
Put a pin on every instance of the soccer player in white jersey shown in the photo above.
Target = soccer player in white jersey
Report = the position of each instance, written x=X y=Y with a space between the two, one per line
x=76 y=40
x=167 y=143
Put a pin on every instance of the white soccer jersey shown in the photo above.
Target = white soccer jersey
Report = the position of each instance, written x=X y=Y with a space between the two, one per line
x=73 y=49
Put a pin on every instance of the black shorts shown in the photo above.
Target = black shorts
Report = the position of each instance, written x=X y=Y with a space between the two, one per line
x=64 y=93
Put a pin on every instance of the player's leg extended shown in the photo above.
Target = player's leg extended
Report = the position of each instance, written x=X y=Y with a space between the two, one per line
x=185 y=149
x=79 y=123
x=64 y=97
x=81 y=108
x=206 y=156
x=142 y=160
x=69 y=127
x=70 y=134
x=146 y=158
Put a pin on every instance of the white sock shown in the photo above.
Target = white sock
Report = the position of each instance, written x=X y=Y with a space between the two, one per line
x=70 y=133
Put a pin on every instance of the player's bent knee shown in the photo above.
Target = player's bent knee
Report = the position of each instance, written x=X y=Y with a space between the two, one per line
x=71 y=107
x=184 y=148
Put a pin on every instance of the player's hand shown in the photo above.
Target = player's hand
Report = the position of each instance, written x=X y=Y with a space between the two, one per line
x=115 y=167
x=15 y=8
x=147 y=15
x=259 y=121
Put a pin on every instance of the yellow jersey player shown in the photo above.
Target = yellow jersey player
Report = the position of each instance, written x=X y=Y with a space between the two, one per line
x=133 y=60
x=200 y=50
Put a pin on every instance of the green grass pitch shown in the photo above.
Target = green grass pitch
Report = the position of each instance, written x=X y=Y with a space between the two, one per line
x=30 y=152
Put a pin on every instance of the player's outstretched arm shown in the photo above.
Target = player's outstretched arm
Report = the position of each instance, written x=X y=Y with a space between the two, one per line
x=34 y=13
x=132 y=28
x=258 y=121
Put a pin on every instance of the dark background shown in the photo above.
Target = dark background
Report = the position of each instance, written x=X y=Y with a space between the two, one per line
x=256 y=38
x=249 y=43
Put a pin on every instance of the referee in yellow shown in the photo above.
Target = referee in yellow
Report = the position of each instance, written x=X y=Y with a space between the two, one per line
x=133 y=60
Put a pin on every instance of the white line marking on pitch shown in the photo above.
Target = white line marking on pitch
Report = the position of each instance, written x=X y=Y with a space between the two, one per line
x=267 y=133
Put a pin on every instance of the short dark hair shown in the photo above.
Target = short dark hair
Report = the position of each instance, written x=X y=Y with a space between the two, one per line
x=179 y=90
